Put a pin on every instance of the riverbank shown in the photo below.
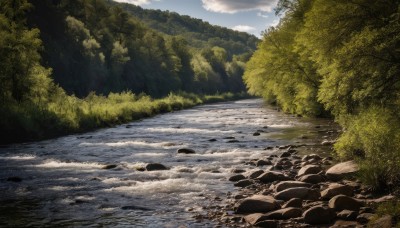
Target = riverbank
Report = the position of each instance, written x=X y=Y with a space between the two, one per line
x=288 y=190
x=24 y=122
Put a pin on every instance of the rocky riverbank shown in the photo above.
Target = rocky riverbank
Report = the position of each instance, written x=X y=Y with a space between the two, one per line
x=288 y=190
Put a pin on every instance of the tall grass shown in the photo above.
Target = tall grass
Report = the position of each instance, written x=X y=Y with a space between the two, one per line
x=63 y=114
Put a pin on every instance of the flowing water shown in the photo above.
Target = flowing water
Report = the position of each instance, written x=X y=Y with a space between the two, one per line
x=62 y=182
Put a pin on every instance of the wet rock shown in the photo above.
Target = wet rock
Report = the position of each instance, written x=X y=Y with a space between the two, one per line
x=342 y=202
x=383 y=222
x=255 y=174
x=233 y=141
x=298 y=192
x=285 y=213
x=309 y=169
x=285 y=154
x=252 y=219
x=212 y=140
x=155 y=166
x=229 y=137
x=312 y=178
x=319 y=215
x=267 y=224
x=256 y=133
x=310 y=156
x=135 y=208
x=271 y=176
x=237 y=178
x=364 y=218
x=256 y=204
x=295 y=202
x=336 y=189
x=263 y=162
x=141 y=169
x=347 y=215
x=238 y=171
x=341 y=170
x=185 y=151
x=290 y=184
x=243 y=183
x=111 y=166
x=14 y=179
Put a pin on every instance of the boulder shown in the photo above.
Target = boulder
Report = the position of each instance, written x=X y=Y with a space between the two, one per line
x=383 y=222
x=364 y=218
x=252 y=219
x=290 y=184
x=243 y=183
x=254 y=174
x=155 y=166
x=110 y=166
x=185 y=151
x=312 y=178
x=319 y=215
x=347 y=215
x=342 y=202
x=295 y=202
x=271 y=176
x=285 y=154
x=267 y=224
x=341 y=170
x=256 y=133
x=336 y=189
x=256 y=204
x=263 y=162
x=310 y=156
x=236 y=178
x=309 y=169
x=298 y=192
x=285 y=213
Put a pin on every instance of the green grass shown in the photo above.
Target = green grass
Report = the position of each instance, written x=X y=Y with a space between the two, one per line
x=64 y=114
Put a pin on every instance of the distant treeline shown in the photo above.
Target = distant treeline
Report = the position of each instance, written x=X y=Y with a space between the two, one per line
x=69 y=66
x=339 y=58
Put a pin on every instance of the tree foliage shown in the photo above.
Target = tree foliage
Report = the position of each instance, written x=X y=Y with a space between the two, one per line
x=344 y=56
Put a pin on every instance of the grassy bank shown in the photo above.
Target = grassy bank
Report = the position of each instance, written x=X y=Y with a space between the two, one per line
x=64 y=114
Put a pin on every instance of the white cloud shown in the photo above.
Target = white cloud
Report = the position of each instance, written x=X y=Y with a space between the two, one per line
x=234 y=6
x=136 y=2
x=262 y=15
x=244 y=28
x=274 y=23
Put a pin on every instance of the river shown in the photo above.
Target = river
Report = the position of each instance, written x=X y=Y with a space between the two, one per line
x=62 y=182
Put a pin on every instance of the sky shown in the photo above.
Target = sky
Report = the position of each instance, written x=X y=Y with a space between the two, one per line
x=252 y=16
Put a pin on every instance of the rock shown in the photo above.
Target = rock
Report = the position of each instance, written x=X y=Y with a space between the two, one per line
x=272 y=176
x=312 y=178
x=319 y=215
x=243 y=183
x=285 y=154
x=212 y=140
x=111 y=166
x=290 y=184
x=256 y=133
x=342 y=202
x=14 y=179
x=233 y=141
x=341 y=170
x=256 y=204
x=286 y=213
x=364 y=218
x=327 y=142
x=295 y=202
x=255 y=174
x=185 y=151
x=155 y=166
x=381 y=199
x=252 y=219
x=267 y=224
x=343 y=224
x=309 y=169
x=311 y=156
x=347 y=215
x=237 y=178
x=135 y=208
x=383 y=222
x=336 y=189
x=298 y=192
x=263 y=162
x=238 y=171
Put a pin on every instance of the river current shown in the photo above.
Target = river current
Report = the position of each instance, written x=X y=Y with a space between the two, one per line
x=62 y=182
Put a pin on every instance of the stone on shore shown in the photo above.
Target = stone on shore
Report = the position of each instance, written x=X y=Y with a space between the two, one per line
x=319 y=215
x=341 y=170
x=295 y=202
x=260 y=220
x=347 y=215
x=254 y=174
x=110 y=166
x=271 y=176
x=335 y=189
x=309 y=169
x=285 y=213
x=155 y=166
x=237 y=178
x=256 y=204
x=298 y=192
x=290 y=184
x=342 y=202
x=312 y=178
x=243 y=183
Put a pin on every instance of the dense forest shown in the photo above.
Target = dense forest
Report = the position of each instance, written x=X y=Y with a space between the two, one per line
x=67 y=66
x=338 y=58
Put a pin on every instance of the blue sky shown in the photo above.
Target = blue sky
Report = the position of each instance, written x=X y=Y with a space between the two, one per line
x=252 y=16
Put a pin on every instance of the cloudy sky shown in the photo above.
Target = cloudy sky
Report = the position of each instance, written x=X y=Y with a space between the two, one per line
x=252 y=16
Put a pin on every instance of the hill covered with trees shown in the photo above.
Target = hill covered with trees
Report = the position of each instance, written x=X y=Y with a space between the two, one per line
x=339 y=58
x=68 y=66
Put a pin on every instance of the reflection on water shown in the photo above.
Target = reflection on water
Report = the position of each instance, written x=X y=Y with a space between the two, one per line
x=63 y=181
